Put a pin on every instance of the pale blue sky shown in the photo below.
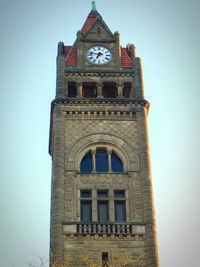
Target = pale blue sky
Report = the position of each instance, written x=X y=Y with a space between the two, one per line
x=166 y=35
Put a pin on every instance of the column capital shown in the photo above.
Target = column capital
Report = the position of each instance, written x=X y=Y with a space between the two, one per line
x=109 y=151
x=120 y=84
x=99 y=84
x=79 y=83
x=93 y=151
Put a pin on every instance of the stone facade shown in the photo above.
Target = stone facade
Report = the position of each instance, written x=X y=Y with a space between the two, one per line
x=80 y=124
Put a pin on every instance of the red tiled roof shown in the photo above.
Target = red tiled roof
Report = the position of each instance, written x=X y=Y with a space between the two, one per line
x=125 y=60
x=72 y=57
x=89 y=21
x=67 y=49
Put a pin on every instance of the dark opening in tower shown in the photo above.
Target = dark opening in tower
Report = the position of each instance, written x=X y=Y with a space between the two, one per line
x=89 y=90
x=104 y=259
x=127 y=91
x=109 y=90
x=72 y=90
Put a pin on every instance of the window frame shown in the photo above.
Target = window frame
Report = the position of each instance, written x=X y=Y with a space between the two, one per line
x=120 y=200
x=85 y=200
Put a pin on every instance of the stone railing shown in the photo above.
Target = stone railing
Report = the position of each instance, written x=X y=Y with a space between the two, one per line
x=95 y=228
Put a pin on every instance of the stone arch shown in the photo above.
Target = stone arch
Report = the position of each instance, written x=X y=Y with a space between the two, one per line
x=122 y=148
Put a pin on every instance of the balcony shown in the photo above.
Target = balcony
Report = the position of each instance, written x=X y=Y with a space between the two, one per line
x=95 y=228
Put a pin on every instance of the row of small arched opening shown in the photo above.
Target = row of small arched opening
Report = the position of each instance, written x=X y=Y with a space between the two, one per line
x=101 y=159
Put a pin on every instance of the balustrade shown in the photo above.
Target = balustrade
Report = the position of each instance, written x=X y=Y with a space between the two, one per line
x=104 y=228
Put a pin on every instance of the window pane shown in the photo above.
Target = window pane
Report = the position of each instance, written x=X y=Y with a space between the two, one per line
x=101 y=160
x=116 y=163
x=86 y=163
x=86 y=211
x=120 y=211
x=102 y=193
x=103 y=210
x=86 y=193
x=119 y=194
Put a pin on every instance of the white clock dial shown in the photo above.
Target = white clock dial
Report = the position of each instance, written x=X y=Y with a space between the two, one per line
x=98 y=55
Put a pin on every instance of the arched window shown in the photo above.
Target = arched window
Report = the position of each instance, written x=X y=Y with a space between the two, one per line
x=101 y=160
x=116 y=163
x=86 y=163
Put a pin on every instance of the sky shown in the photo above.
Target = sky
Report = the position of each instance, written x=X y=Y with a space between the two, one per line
x=166 y=36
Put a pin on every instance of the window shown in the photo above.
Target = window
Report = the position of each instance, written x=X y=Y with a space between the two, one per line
x=103 y=207
x=102 y=193
x=101 y=160
x=102 y=204
x=104 y=259
x=86 y=194
x=120 y=205
x=86 y=206
x=116 y=163
x=103 y=211
x=86 y=163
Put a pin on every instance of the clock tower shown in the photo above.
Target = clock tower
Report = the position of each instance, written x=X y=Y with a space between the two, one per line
x=101 y=197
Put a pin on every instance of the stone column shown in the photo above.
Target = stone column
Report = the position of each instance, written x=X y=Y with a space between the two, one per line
x=57 y=188
x=93 y=152
x=111 y=206
x=109 y=152
x=79 y=89
x=99 y=90
x=117 y=49
x=120 y=87
x=151 y=252
x=66 y=88
x=94 y=206
x=60 y=78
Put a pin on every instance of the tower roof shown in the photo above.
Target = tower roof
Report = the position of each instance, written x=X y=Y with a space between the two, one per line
x=92 y=18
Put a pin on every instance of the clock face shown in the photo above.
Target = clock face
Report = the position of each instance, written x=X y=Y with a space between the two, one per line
x=98 y=55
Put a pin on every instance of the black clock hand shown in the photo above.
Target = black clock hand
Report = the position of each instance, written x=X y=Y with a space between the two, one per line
x=99 y=54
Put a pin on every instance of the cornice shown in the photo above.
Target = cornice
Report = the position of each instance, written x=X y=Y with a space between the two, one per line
x=106 y=72
x=105 y=101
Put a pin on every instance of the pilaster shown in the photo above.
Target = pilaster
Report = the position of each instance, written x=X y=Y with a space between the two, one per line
x=60 y=78
x=57 y=194
x=148 y=205
x=138 y=86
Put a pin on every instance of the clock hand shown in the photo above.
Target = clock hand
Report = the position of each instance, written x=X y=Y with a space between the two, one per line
x=99 y=54
x=91 y=53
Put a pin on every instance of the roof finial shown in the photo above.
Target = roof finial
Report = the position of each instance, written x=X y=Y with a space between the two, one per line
x=94 y=6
